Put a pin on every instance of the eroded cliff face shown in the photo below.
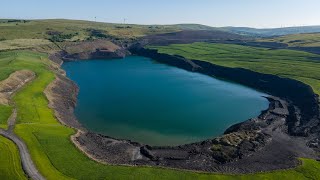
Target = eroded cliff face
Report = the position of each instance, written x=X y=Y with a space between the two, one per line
x=95 y=49
x=62 y=96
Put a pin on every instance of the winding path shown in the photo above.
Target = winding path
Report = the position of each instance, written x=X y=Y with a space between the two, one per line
x=27 y=163
x=9 y=86
x=12 y=120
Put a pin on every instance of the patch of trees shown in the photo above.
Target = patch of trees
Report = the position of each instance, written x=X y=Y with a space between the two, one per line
x=154 y=27
x=3 y=39
x=51 y=33
x=56 y=36
x=123 y=27
x=15 y=21
x=296 y=41
x=98 y=34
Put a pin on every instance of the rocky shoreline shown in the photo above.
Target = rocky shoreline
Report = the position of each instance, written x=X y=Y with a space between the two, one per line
x=288 y=129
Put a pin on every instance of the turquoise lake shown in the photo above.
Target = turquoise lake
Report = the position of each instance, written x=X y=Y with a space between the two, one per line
x=139 y=99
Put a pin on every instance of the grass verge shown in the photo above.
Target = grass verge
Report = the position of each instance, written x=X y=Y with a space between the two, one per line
x=10 y=165
x=5 y=113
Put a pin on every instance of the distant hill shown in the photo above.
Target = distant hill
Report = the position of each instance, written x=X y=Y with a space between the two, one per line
x=253 y=32
x=75 y=30
x=190 y=36
x=78 y=30
x=194 y=27
x=272 y=32
x=309 y=42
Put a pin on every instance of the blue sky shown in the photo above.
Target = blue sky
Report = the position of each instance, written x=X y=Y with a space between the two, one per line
x=251 y=13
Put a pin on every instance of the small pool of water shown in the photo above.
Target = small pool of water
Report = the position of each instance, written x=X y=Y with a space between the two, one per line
x=138 y=99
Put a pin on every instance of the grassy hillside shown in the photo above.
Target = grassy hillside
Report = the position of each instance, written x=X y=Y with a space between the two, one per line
x=47 y=35
x=78 y=30
x=272 y=31
x=297 y=40
x=22 y=43
x=194 y=27
x=55 y=155
x=10 y=166
x=74 y=30
x=297 y=65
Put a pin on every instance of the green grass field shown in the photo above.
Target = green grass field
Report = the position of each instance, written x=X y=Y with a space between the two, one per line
x=57 y=158
x=5 y=112
x=10 y=166
x=22 y=43
x=297 y=40
x=50 y=35
x=37 y=29
x=298 y=65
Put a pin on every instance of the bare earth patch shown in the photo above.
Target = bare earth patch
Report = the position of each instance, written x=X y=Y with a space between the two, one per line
x=13 y=83
x=62 y=96
x=97 y=49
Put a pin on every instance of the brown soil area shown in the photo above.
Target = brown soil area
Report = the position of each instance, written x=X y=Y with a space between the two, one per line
x=62 y=96
x=14 y=82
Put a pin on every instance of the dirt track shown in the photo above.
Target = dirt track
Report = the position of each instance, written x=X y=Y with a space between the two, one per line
x=7 y=87
x=27 y=164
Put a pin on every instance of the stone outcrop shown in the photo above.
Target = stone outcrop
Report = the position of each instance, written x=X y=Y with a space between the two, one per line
x=96 y=49
x=62 y=96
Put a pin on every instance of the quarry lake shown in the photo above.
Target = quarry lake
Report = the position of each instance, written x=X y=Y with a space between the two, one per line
x=139 y=99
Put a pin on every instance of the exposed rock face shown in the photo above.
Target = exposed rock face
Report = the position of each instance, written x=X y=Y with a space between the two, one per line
x=97 y=49
x=13 y=83
x=57 y=57
x=106 y=149
x=62 y=96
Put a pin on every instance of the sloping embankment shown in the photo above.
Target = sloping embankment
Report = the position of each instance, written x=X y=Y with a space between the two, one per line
x=13 y=83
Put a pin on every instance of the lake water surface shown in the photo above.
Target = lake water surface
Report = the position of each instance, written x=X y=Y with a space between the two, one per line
x=138 y=99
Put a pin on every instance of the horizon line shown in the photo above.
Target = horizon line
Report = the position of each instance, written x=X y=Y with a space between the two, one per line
x=191 y=23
